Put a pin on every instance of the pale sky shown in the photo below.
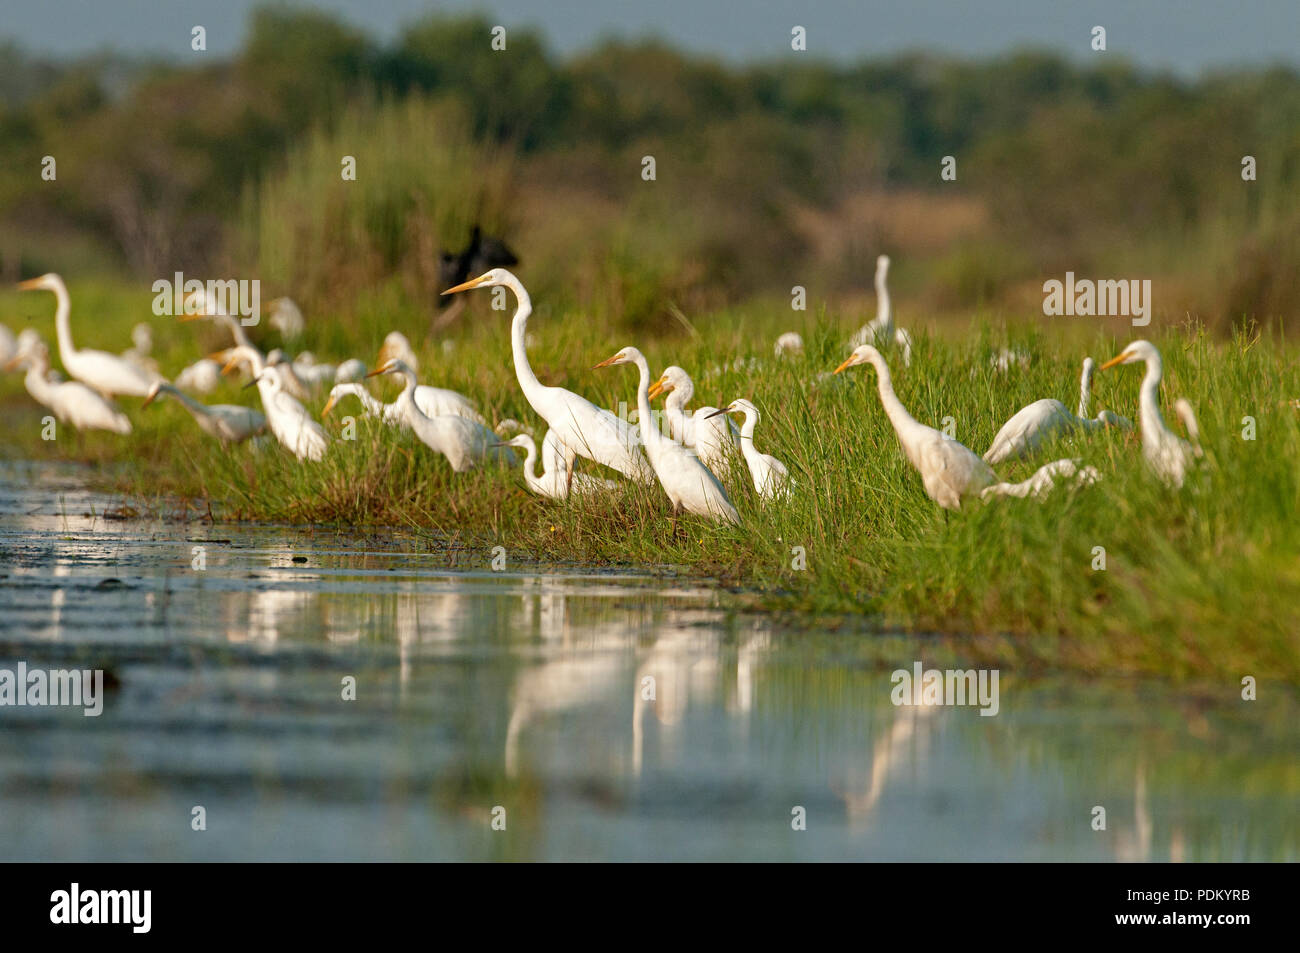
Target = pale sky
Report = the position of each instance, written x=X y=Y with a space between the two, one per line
x=1186 y=36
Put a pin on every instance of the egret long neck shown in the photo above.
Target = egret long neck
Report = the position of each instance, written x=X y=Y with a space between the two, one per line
x=883 y=315
x=63 y=324
x=528 y=381
x=649 y=433
x=530 y=461
x=902 y=421
x=1085 y=391
x=190 y=404
x=1153 y=423
x=37 y=384
x=747 y=436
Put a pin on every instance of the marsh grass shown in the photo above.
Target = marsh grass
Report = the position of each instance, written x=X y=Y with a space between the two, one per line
x=1202 y=582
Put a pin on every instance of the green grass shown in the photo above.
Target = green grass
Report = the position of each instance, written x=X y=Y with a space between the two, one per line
x=1200 y=583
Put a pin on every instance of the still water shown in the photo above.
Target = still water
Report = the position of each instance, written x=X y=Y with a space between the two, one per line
x=524 y=696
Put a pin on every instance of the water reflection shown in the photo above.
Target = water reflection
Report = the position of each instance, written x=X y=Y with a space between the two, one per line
x=611 y=715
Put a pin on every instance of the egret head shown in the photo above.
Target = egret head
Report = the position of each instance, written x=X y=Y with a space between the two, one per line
x=626 y=356
x=154 y=390
x=672 y=379
x=489 y=279
x=47 y=282
x=882 y=264
x=864 y=354
x=740 y=405
x=1137 y=351
x=397 y=346
x=393 y=365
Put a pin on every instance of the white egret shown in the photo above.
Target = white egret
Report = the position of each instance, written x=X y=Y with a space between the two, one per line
x=791 y=342
x=106 y=373
x=8 y=345
x=350 y=371
x=580 y=425
x=1035 y=423
x=434 y=401
x=1166 y=453
x=771 y=476
x=690 y=485
x=390 y=414
x=286 y=417
x=464 y=442
x=712 y=439
x=286 y=318
x=554 y=481
x=881 y=330
x=72 y=402
x=140 y=350
x=201 y=377
x=1044 y=478
x=397 y=346
x=949 y=470
x=229 y=423
x=198 y=309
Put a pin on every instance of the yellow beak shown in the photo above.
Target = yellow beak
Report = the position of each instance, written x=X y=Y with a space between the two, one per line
x=1118 y=359
x=606 y=362
x=149 y=400
x=847 y=364
x=378 y=371
x=472 y=283
x=31 y=284
x=329 y=405
x=657 y=388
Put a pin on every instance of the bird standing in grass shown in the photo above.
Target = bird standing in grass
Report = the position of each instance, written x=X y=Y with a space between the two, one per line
x=553 y=481
x=229 y=423
x=949 y=470
x=713 y=440
x=881 y=329
x=107 y=373
x=1168 y=455
x=1036 y=423
x=72 y=402
x=771 y=477
x=690 y=485
x=582 y=427
x=464 y=442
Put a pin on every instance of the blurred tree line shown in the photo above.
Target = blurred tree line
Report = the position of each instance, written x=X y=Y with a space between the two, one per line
x=766 y=176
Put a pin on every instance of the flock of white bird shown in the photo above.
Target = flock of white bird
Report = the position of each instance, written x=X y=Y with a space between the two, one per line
x=686 y=462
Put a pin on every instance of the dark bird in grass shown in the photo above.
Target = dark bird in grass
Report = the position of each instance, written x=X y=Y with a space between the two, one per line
x=483 y=253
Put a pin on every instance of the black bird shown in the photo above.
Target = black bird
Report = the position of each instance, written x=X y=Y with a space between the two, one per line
x=482 y=254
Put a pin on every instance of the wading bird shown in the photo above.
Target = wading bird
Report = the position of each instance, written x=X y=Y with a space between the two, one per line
x=881 y=330
x=1166 y=453
x=287 y=419
x=464 y=442
x=789 y=343
x=770 y=475
x=554 y=480
x=72 y=402
x=1044 y=478
x=106 y=373
x=1035 y=423
x=229 y=423
x=712 y=440
x=949 y=470
x=690 y=485
x=286 y=318
x=434 y=401
x=580 y=425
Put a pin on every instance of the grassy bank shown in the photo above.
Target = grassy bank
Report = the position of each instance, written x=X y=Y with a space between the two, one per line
x=1198 y=583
